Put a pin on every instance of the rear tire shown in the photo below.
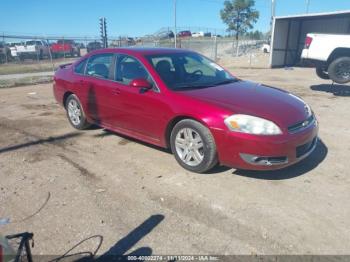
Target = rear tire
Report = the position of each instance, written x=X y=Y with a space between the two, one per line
x=339 y=70
x=193 y=146
x=75 y=113
x=322 y=73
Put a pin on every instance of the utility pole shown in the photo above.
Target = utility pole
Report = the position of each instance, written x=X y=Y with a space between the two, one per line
x=307 y=6
x=273 y=10
x=175 y=30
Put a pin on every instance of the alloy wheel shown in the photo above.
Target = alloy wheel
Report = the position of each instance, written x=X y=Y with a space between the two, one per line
x=189 y=146
x=74 y=112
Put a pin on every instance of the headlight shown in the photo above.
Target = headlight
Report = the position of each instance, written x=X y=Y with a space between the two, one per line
x=252 y=125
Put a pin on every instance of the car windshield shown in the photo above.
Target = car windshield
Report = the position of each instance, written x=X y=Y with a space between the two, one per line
x=31 y=42
x=181 y=71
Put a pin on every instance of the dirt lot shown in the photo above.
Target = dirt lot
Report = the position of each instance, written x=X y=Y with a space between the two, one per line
x=66 y=186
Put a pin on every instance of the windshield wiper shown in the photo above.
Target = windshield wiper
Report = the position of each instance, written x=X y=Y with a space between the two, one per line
x=191 y=87
x=182 y=87
x=228 y=81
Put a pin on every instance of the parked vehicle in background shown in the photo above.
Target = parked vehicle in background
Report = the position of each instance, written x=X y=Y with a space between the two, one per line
x=265 y=48
x=14 y=49
x=167 y=34
x=35 y=49
x=93 y=46
x=198 y=34
x=131 y=41
x=65 y=47
x=5 y=53
x=122 y=41
x=207 y=34
x=181 y=100
x=185 y=33
x=330 y=54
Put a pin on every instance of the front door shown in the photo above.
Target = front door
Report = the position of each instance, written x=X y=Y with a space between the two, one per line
x=142 y=113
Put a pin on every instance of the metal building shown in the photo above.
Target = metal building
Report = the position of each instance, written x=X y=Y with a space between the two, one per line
x=289 y=32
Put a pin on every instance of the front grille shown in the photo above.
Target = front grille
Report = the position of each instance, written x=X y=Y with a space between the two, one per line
x=301 y=125
x=304 y=149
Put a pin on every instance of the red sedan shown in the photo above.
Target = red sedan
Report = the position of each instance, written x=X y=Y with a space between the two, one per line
x=181 y=100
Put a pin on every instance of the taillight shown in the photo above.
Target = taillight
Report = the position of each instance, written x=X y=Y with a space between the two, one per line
x=308 y=41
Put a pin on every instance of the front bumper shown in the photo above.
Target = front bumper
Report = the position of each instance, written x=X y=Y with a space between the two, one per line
x=245 y=151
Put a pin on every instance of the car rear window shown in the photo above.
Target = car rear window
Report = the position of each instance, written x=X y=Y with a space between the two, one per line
x=80 y=67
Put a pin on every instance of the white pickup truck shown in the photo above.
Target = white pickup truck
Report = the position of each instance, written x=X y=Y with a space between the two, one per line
x=35 y=49
x=330 y=54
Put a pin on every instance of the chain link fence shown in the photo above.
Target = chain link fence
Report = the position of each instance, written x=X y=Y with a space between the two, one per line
x=26 y=54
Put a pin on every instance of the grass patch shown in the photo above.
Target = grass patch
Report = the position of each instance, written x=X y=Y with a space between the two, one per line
x=32 y=66
x=34 y=80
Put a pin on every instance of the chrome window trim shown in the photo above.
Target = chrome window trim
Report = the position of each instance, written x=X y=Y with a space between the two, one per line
x=156 y=89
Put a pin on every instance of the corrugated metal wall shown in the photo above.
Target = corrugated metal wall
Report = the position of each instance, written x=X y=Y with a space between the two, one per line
x=289 y=35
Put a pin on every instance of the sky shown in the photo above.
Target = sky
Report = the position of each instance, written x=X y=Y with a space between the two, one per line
x=135 y=17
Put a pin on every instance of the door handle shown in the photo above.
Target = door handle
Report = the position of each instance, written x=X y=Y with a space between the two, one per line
x=116 y=91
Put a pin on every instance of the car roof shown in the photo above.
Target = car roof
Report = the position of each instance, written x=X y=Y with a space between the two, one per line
x=142 y=50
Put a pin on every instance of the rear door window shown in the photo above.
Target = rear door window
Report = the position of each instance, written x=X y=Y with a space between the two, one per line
x=100 y=66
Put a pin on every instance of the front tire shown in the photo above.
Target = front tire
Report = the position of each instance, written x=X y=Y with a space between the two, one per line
x=193 y=146
x=339 y=70
x=75 y=113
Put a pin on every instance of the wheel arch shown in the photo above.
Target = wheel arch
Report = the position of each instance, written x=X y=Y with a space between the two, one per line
x=65 y=97
x=174 y=121
x=338 y=52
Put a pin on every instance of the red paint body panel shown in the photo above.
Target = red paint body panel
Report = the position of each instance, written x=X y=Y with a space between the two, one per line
x=146 y=116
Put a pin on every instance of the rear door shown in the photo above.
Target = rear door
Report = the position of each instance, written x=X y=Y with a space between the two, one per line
x=98 y=88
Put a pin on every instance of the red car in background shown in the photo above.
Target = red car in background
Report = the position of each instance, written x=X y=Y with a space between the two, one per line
x=185 y=33
x=65 y=47
x=181 y=100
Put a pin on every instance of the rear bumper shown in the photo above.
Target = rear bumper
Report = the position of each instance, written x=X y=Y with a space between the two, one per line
x=305 y=54
x=244 y=151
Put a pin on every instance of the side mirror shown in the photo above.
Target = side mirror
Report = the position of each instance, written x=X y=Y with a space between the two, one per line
x=141 y=83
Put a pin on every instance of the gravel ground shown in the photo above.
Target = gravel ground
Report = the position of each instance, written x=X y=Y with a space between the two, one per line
x=66 y=186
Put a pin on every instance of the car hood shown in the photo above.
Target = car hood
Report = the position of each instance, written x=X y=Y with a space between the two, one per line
x=245 y=97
